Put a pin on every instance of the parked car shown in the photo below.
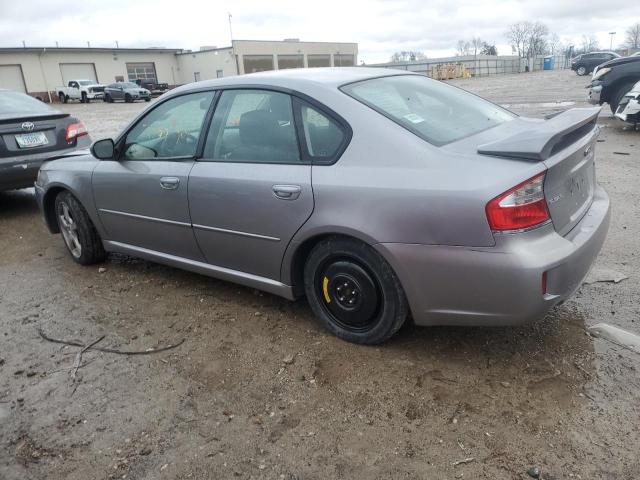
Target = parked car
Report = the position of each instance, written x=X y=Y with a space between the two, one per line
x=30 y=132
x=613 y=80
x=373 y=192
x=585 y=63
x=629 y=107
x=126 y=91
x=83 y=90
x=155 y=88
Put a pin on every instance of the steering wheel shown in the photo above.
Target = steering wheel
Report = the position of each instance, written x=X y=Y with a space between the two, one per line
x=175 y=141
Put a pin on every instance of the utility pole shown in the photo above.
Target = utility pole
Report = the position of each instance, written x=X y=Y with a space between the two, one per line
x=612 y=34
x=230 y=30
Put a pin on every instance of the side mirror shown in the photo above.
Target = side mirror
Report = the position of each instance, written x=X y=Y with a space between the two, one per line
x=103 y=149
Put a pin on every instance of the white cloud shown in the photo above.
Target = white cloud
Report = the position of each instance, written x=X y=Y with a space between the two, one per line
x=379 y=27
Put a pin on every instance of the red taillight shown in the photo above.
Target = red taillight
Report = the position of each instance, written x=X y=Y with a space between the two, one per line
x=75 y=130
x=524 y=206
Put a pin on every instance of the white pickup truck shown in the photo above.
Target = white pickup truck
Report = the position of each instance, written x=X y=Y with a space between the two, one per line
x=83 y=90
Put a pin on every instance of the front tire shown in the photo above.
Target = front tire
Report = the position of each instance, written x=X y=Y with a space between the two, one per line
x=128 y=98
x=83 y=98
x=353 y=291
x=79 y=234
x=581 y=71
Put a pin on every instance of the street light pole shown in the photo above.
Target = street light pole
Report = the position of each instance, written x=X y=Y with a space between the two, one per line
x=611 y=43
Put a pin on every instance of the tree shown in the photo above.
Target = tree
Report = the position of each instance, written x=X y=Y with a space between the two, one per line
x=463 y=48
x=554 y=45
x=589 y=44
x=517 y=36
x=632 y=39
x=476 y=45
x=488 y=49
x=408 y=56
x=528 y=39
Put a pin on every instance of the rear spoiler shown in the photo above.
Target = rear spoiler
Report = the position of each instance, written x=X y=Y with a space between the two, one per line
x=538 y=142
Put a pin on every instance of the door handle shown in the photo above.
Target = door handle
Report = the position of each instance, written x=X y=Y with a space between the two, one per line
x=287 y=192
x=169 y=183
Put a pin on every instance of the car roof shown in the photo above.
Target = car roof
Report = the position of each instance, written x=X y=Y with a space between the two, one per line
x=298 y=78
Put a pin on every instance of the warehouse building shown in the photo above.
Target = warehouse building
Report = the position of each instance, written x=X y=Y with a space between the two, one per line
x=38 y=71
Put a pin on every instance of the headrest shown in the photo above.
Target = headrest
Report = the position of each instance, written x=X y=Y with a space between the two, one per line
x=258 y=127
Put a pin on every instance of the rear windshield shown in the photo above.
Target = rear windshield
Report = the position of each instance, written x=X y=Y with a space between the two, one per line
x=435 y=111
x=19 y=103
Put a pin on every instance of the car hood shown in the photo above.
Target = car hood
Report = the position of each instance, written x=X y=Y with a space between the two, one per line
x=620 y=61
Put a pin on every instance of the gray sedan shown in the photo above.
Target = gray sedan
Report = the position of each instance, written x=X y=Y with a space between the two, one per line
x=378 y=194
x=127 y=91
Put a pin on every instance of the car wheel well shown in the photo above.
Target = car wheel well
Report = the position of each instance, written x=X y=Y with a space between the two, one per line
x=49 y=208
x=301 y=255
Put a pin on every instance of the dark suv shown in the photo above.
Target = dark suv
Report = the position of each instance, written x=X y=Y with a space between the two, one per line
x=585 y=63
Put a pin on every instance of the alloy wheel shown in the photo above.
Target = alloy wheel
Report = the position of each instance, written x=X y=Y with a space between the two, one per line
x=69 y=230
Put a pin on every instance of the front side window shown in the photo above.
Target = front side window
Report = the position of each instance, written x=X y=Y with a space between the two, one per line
x=434 y=111
x=170 y=130
x=323 y=136
x=254 y=126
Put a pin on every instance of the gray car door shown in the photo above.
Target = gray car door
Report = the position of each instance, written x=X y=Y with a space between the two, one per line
x=251 y=191
x=142 y=197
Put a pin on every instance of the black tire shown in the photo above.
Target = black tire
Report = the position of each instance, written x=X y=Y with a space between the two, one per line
x=377 y=309
x=147 y=99
x=127 y=98
x=108 y=99
x=63 y=98
x=581 y=70
x=83 y=98
x=622 y=90
x=91 y=249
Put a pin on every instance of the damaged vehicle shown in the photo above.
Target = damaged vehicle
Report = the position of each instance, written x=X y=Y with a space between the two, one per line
x=629 y=107
x=613 y=80
x=379 y=195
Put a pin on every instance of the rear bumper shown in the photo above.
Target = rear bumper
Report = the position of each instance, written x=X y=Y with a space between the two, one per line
x=21 y=172
x=500 y=285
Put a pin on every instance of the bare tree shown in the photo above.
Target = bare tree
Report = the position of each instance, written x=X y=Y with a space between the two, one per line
x=408 y=56
x=476 y=45
x=518 y=34
x=537 y=39
x=589 y=43
x=554 y=45
x=632 y=39
x=463 y=47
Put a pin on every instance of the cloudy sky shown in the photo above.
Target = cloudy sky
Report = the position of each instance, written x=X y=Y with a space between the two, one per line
x=380 y=27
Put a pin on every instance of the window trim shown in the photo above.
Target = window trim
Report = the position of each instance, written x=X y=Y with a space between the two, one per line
x=120 y=141
x=296 y=98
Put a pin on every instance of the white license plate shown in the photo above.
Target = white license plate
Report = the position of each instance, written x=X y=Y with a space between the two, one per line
x=28 y=140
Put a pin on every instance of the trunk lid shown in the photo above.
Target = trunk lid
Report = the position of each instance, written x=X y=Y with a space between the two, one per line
x=565 y=144
x=50 y=128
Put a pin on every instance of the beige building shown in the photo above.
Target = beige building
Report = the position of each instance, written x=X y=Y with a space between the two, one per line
x=38 y=71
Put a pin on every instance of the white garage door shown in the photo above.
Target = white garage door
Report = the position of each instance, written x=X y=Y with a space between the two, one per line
x=11 y=78
x=78 y=71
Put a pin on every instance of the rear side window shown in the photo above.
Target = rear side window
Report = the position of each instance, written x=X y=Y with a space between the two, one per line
x=253 y=126
x=433 y=110
x=323 y=136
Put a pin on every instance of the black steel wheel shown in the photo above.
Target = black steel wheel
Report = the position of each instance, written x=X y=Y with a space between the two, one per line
x=353 y=291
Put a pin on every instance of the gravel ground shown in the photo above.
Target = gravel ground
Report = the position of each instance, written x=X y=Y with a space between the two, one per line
x=258 y=390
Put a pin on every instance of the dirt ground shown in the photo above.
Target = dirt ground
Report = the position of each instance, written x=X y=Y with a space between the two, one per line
x=258 y=390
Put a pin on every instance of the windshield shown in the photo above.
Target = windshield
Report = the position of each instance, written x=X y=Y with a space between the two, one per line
x=19 y=103
x=86 y=82
x=433 y=110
